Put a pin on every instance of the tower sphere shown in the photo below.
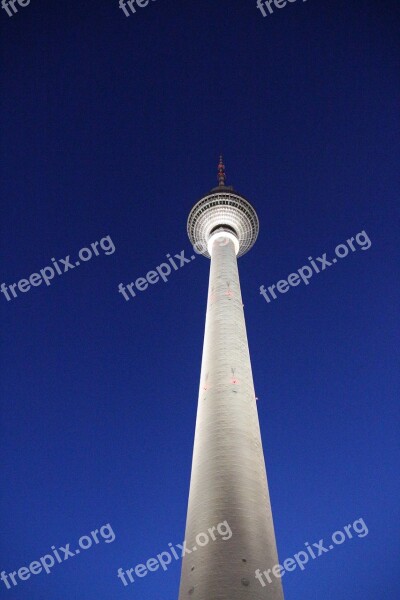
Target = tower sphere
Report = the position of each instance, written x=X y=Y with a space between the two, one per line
x=222 y=210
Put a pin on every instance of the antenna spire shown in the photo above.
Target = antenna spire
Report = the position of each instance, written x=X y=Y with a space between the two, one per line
x=221 y=172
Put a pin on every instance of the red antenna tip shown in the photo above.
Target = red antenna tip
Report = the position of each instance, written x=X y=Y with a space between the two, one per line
x=221 y=172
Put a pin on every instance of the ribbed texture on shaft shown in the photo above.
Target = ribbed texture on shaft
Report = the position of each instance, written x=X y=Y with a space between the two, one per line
x=228 y=480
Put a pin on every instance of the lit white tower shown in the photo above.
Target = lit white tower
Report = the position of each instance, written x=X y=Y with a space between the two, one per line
x=228 y=480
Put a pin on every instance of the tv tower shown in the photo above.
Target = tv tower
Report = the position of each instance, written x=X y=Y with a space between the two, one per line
x=228 y=480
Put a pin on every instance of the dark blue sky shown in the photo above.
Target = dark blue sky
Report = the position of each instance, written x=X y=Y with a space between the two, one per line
x=112 y=126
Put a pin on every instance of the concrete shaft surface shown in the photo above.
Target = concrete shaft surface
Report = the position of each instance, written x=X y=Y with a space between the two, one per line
x=228 y=480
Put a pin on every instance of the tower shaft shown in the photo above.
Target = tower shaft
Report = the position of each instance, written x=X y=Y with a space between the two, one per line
x=228 y=480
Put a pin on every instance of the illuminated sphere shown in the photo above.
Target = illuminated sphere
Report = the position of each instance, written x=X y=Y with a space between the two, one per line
x=222 y=210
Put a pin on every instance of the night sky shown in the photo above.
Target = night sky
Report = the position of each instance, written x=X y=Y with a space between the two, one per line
x=111 y=130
